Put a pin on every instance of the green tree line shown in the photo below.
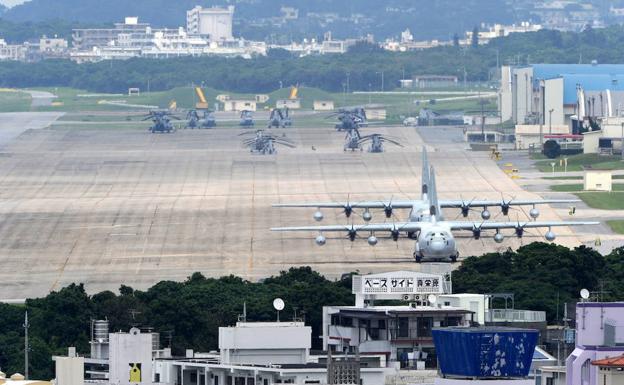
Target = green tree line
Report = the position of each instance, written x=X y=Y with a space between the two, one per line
x=365 y=65
x=539 y=275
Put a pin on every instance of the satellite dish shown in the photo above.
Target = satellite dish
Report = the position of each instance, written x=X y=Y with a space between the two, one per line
x=432 y=298
x=278 y=304
x=584 y=293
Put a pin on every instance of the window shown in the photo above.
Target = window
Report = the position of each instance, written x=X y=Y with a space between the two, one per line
x=424 y=327
x=193 y=377
x=403 y=327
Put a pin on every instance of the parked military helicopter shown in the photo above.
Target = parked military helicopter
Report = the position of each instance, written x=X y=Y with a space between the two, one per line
x=280 y=118
x=262 y=142
x=352 y=140
x=246 y=118
x=377 y=142
x=195 y=121
x=161 y=120
x=350 y=118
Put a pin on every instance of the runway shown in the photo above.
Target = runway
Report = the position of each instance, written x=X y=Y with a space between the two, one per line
x=121 y=206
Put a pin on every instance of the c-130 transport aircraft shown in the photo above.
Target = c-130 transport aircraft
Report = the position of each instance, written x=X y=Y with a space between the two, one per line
x=426 y=224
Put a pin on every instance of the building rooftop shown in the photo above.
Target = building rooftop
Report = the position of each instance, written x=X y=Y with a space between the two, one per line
x=613 y=362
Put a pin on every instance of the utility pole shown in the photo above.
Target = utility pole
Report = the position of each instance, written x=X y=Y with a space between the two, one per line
x=541 y=131
x=550 y=120
x=348 y=74
x=26 y=347
x=382 y=81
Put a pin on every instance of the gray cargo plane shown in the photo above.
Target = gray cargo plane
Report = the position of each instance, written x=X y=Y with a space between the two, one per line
x=434 y=237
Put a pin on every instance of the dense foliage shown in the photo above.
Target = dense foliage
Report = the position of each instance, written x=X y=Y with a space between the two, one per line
x=191 y=311
x=383 y=18
x=538 y=274
x=542 y=275
x=364 y=64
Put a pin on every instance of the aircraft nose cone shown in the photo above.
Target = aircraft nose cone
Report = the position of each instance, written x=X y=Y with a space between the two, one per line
x=437 y=245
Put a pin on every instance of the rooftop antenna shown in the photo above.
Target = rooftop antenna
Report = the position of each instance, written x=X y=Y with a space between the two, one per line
x=243 y=317
x=278 y=304
x=26 y=326
x=133 y=313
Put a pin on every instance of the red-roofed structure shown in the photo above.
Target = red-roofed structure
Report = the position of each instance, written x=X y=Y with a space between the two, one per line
x=613 y=362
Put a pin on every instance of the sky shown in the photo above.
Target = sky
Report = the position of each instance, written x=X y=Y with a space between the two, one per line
x=10 y=3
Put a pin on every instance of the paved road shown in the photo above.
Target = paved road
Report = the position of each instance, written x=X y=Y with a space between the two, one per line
x=13 y=124
x=41 y=98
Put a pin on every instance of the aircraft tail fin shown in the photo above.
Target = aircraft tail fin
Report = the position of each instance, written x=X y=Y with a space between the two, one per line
x=425 y=174
x=434 y=204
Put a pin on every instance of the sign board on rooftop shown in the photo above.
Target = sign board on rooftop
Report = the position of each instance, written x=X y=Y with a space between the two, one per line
x=401 y=282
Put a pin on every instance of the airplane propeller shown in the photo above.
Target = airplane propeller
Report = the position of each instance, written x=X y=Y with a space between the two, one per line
x=388 y=210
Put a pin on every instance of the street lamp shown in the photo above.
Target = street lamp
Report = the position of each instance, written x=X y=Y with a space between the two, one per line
x=550 y=120
x=382 y=80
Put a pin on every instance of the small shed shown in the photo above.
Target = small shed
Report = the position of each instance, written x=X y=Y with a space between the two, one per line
x=323 y=105
x=239 y=105
x=597 y=180
x=293 y=104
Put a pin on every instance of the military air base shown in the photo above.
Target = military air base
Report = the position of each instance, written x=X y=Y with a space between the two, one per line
x=110 y=201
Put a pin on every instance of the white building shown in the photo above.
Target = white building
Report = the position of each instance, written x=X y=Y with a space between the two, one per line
x=12 y=51
x=216 y=23
x=53 y=45
x=264 y=343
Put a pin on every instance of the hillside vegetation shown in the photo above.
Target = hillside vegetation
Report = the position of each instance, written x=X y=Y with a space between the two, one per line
x=364 y=63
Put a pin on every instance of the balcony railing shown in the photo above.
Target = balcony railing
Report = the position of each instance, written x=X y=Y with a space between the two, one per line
x=410 y=334
x=512 y=315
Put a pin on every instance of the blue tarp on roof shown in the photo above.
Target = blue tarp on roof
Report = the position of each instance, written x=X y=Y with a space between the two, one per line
x=590 y=77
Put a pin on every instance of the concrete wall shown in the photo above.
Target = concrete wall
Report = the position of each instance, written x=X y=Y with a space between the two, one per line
x=69 y=370
x=597 y=181
x=504 y=99
x=127 y=349
x=553 y=100
x=522 y=93
x=472 y=302
x=265 y=343
x=610 y=376
x=591 y=318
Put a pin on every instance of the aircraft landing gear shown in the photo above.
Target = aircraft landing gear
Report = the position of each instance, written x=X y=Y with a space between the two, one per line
x=418 y=257
x=454 y=258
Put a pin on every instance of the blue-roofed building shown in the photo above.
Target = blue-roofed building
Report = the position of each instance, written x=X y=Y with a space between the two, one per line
x=549 y=95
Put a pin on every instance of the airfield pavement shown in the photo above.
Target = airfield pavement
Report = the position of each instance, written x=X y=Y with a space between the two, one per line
x=119 y=205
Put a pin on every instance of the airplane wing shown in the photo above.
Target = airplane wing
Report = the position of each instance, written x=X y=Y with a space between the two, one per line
x=399 y=226
x=511 y=202
x=354 y=205
x=457 y=225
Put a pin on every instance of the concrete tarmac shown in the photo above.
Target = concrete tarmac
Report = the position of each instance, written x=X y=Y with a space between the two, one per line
x=123 y=206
